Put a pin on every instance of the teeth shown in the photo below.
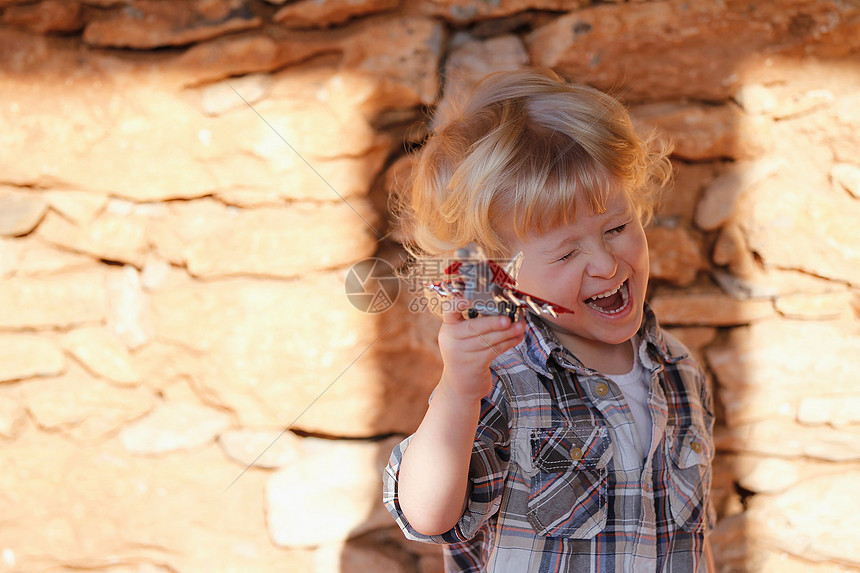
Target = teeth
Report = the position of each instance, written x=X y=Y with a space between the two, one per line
x=607 y=293
x=625 y=296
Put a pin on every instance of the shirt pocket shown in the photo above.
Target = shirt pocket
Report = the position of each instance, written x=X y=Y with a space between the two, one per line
x=688 y=476
x=568 y=496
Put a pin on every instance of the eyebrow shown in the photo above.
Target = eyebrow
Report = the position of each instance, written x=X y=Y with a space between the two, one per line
x=564 y=244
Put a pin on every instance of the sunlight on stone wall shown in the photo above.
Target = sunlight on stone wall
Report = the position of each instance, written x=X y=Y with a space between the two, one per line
x=184 y=385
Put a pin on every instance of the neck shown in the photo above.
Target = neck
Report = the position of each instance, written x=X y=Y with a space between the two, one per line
x=600 y=356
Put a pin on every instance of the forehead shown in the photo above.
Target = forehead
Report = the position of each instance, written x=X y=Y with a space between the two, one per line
x=577 y=221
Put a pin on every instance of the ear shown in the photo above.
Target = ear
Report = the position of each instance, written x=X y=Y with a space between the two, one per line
x=513 y=266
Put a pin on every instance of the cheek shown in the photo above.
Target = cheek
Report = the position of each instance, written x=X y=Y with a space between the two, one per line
x=535 y=280
x=644 y=255
x=563 y=287
x=640 y=258
x=525 y=277
x=548 y=282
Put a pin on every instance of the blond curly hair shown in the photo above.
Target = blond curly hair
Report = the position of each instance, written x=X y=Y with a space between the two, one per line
x=517 y=151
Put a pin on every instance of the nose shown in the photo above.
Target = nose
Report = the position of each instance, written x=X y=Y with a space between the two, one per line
x=601 y=263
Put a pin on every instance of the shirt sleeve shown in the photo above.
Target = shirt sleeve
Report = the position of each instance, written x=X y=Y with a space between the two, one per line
x=488 y=470
x=707 y=401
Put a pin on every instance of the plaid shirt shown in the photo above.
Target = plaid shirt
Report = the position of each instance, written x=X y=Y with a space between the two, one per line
x=557 y=478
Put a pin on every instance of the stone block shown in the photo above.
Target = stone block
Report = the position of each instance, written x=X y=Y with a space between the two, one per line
x=260 y=448
x=792 y=205
x=297 y=352
x=765 y=559
x=103 y=128
x=817 y=306
x=25 y=356
x=770 y=475
x=665 y=50
x=128 y=311
x=764 y=369
x=48 y=16
x=173 y=426
x=335 y=503
x=20 y=211
x=813 y=520
x=110 y=237
x=153 y=24
x=356 y=557
x=63 y=300
x=469 y=12
x=803 y=103
x=838 y=411
x=315 y=14
x=695 y=338
x=756 y=99
x=246 y=53
x=403 y=54
x=847 y=176
x=103 y=354
x=221 y=97
x=473 y=59
x=675 y=255
x=214 y=240
x=731 y=250
x=710 y=308
x=781 y=436
x=38 y=259
x=679 y=203
x=82 y=407
x=79 y=207
x=717 y=205
x=13 y=414
x=177 y=152
x=10 y=256
x=307 y=140
x=179 y=512
x=700 y=132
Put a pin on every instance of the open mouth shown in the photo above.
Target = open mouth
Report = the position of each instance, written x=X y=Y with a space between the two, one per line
x=612 y=301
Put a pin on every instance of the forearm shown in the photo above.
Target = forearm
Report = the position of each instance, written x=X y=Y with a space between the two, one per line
x=434 y=472
x=709 y=557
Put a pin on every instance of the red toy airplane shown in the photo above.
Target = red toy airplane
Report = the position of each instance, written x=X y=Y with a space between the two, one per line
x=488 y=287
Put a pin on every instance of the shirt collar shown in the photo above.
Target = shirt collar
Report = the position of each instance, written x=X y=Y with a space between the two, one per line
x=653 y=336
x=540 y=345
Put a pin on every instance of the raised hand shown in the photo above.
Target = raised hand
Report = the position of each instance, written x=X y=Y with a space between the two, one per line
x=469 y=345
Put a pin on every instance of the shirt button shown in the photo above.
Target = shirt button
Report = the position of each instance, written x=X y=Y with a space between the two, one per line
x=575 y=454
x=697 y=447
x=601 y=389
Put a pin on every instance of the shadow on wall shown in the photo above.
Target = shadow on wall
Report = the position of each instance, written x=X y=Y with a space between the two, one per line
x=753 y=259
x=183 y=195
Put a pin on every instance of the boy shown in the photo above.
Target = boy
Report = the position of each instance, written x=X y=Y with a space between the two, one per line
x=580 y=442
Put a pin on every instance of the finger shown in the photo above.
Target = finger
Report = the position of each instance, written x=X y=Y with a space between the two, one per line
x=476 y=327
x=495 y=323
x=493 y=334
x=507 y=343
x=452 y=309
x=510 y=342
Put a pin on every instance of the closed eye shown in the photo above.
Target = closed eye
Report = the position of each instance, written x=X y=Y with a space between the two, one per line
x=567 y=256
x=617 y=230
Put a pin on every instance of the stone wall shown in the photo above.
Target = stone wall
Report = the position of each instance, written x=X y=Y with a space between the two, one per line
x=184 y=185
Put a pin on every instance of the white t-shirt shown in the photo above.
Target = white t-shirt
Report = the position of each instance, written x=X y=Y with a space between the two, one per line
x=635 y=386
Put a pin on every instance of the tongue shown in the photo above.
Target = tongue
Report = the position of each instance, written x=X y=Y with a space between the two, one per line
x=613 y=302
